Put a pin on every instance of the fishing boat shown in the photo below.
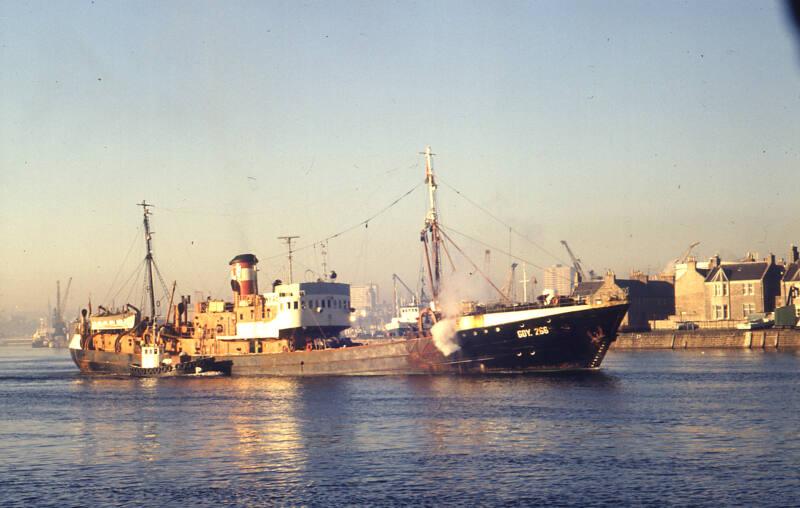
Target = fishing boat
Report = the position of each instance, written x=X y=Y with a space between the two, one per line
x=295 y=329
x=53 y=332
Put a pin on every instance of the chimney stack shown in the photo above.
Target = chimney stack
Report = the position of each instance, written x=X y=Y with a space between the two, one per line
x=244 y=280
x=793 y=255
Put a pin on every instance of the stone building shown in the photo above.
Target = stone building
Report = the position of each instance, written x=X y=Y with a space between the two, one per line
x=648 y=299
x=734 y=290
x=690 y=292
x=791 y=276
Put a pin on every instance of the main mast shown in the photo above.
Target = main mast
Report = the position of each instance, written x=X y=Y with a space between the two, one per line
x=430 y=233
x=149 y=259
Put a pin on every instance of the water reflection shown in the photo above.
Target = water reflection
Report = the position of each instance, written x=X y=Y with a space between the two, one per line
x=702 y=421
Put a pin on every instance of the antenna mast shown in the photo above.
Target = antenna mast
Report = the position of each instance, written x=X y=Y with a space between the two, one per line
x=432 y=227
x=288 y=240
x=148 y=236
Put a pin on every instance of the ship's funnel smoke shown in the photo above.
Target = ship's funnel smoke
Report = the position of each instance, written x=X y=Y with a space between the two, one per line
x=444 y=336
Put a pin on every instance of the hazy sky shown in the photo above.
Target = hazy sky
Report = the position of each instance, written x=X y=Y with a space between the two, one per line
x=630 y=129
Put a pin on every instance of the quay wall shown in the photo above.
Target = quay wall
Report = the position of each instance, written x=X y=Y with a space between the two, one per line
x=772 y=338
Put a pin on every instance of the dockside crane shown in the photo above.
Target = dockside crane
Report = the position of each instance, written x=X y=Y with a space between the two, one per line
x=395 y=279
x=509 y=290
x=671 y=265
x=576 y=263
x=62 y=305
x=685 y=255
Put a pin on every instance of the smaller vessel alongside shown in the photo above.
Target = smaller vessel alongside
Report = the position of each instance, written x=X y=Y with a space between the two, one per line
x=153 y=364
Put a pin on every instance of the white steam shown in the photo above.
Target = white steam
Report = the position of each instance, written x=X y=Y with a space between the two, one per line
x=444 y=336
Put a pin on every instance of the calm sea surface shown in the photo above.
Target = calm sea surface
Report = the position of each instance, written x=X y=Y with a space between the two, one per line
x=656 y=427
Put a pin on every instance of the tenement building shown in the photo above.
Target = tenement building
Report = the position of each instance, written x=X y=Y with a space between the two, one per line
x=690 y=292
x=735 y=290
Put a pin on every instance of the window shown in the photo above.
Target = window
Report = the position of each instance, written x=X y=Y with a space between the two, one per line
x=748 y=308
x=295 y=305
x=748 y=289
x=720 y=312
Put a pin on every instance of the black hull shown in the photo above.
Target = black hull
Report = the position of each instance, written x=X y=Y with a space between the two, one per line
x=576 y=340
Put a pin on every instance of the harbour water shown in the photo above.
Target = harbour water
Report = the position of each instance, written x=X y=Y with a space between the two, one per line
x=653 y=427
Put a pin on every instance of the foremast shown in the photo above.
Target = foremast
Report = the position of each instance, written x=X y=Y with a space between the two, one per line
x=148 y=237
x=431 y=234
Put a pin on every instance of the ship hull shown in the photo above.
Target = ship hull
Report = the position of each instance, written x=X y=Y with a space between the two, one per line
x=561 y=342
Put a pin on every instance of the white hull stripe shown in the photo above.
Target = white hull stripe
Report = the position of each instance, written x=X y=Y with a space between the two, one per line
x=501 y=318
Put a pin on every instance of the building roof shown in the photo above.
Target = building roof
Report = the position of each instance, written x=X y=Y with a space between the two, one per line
x=740 y=271
x=792 y=272
x=587 y=288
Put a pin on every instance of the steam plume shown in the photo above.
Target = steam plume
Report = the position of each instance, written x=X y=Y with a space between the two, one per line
x=444 y=336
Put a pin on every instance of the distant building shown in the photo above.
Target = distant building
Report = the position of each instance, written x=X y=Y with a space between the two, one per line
x=364 y=297
x=735 y=290
x=558 y=280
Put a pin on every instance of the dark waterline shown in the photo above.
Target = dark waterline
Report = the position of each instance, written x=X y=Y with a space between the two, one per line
x=655 y=427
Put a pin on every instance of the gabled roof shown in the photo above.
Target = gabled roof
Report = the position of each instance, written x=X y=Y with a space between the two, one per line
x=587 y=288
x=792 y=272
x=740 y=271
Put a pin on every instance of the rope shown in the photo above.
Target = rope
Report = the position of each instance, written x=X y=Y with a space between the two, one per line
x=514 y=256
x=364 y=222
x=119 y=270
x=132 y=277
x=510 y=228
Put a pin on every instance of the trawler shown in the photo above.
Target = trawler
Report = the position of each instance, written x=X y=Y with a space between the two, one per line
x=294 y=329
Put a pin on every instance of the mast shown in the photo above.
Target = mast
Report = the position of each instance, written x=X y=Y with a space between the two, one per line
x=432 y=227
x=288 y=239
x=149 y=258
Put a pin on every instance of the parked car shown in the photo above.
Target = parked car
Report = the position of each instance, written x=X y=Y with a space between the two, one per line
x=687 y=325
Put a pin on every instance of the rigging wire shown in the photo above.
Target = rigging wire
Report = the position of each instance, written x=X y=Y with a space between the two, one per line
x=132 y=277
x=364 y=222
x=502 y=251
x=485 y=276
x=119 y=270
x=510 y=228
